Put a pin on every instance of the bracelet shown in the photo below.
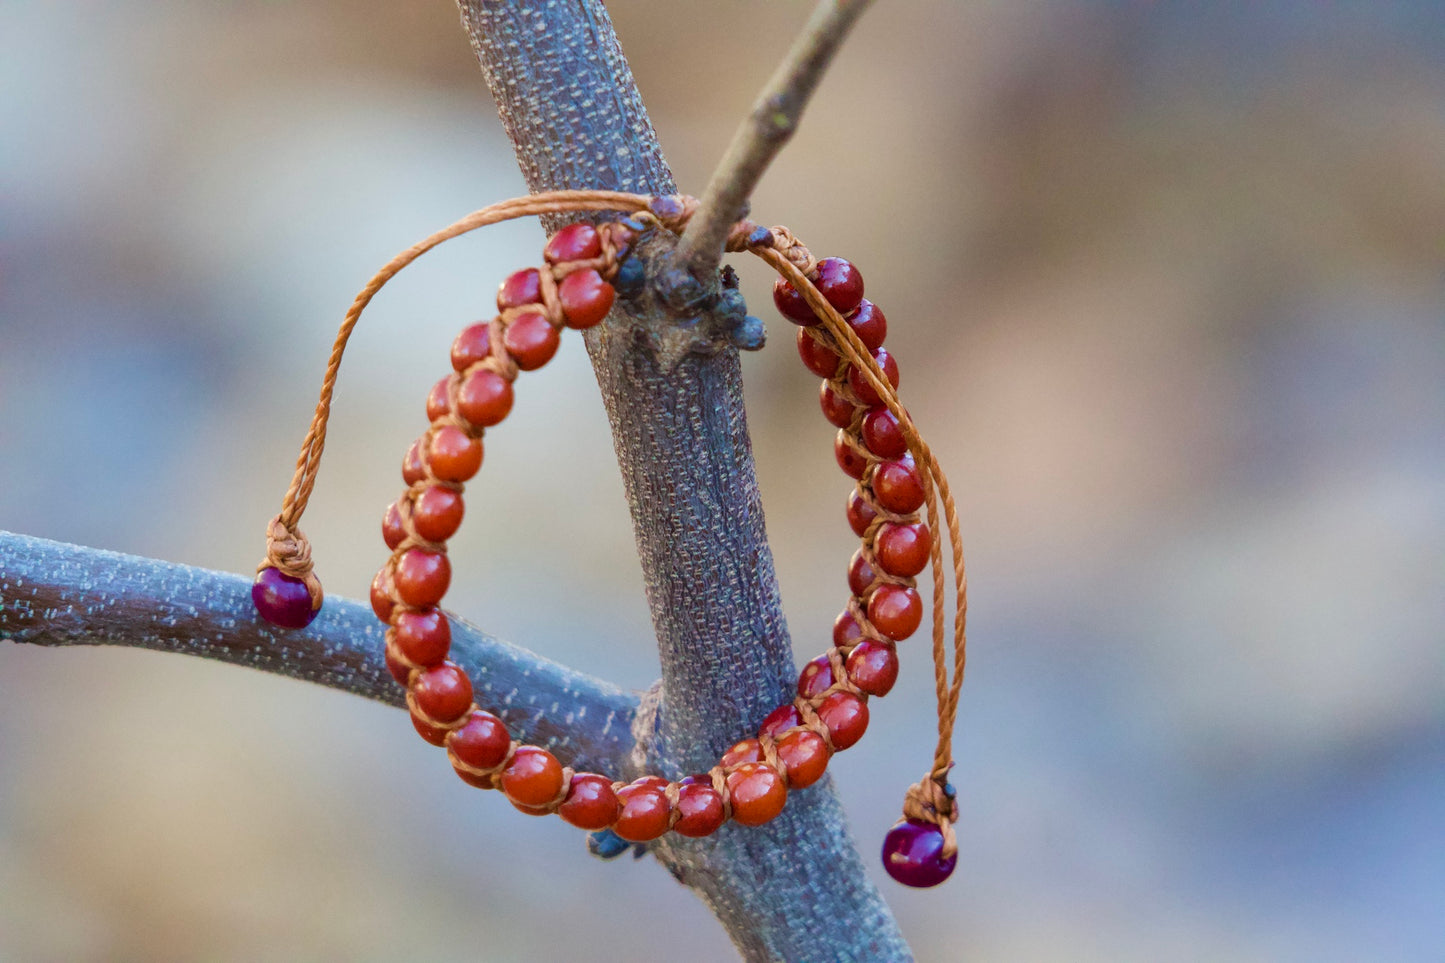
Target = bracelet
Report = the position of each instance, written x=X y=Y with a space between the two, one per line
x=840 y=338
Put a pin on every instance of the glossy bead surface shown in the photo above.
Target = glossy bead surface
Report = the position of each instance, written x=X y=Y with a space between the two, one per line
x=585 y=298
x=531 y=341
x=700 y=809
x=913 y=854
x=453 y=455
x=816 y=677
x=882 y=435
x=790 y=304
x=421 y=577
x=757 y=793
x=438 y=403
x=423 y=636
x=849 y=458
x=846 y=717
x=873 y=667
x=521 y=287
x=862 y=390
x=846 y=630
x=437 y=513
x=591 y=804
x=443 y=693
x=817 y=357
x=484 y=398
x=281 y=599
x=902 y=550
x=897 y=487
x=860 y=513
x=895 y=611
x=392 y=530
x=575 y=242
x=840 y=282
x=399 y=670
x=860 y=574
x=869 y=323
x=837 y=409
x=533 y=778
x=805 y=757
x=644 y=813
x=780 y=720
x=747 y=750
x=472 y=345
x=436 y=735
x=381 y=588
x=482 y=742
x=413 y=469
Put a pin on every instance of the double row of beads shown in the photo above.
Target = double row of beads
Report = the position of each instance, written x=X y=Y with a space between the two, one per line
x=751 y=781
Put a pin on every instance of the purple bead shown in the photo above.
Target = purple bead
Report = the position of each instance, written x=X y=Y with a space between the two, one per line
x=913 y=854
x=282 y=600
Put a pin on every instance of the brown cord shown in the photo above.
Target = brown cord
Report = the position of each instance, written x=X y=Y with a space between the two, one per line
x=930 y=799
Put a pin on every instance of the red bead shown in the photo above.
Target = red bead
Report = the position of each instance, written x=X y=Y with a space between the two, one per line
x=531 y=341
x=421 y=577
x=846 y=631
x=443 y=693
x=522 y=287
x=575 y=242
x=453 y=455
x=902 y=550
x=837 y=409
x=437 y=513
x=585 y=298
x=399 y=670
x=882 y=435
x=746 y=751
x=913 y=854
x=839 y=281
x=860 y=513
x=281 y=599
x=895 y=611
x=817 y=356
x=657 y=782
x=382 y=588
x=869 y=324
x=438 y=404
x=849 y=459
x=757 y=793
x=436 y=735
x=482 y=742
x=392 y=530
x=780 y=720
x=805 y=757
x=815 y=678
x=860 y=574
x=591 y=804
x=862 y=390
x=700 y=809
x=790 y=304
x=873 y=667
x=484 y=398
x=846 y=717
x=533 y=778
x=897 y=487
x=413 y=469
x=474 y=344
x=423 y=636
x=644 y=813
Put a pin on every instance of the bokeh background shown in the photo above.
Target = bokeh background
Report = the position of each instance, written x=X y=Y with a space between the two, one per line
x=1166 y=282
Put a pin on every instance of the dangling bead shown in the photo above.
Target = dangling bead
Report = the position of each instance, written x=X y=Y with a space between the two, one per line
x=913 y=854
x=282 y=599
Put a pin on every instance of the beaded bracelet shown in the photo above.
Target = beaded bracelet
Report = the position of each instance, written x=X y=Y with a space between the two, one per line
x=840 y=338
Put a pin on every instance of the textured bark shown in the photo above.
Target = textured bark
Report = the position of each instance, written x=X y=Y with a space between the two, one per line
x=795 y=889
x=57 y=594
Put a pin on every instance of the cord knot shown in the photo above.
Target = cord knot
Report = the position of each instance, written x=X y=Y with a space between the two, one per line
x=933 y=800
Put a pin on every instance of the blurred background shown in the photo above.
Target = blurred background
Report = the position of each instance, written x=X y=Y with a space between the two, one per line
x=1166 y=284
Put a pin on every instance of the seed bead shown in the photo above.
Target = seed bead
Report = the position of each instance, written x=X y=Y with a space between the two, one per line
x=484 y=398
x=437 y=403
x=533 y=778
x=521 y=287
x=816 y=676
x=472 y=346
x=895 y=610
x=882 y=434
x=757 y=793
x=846 y=717
x=443 y=693
x=862 y=390
x=873 y=667
x=590 y=804
x=575 y=242
x=585 y=298
x=849 y=458
x=531 y=340
x=902 y=550
x=699 y=807
x=423 y=636
x=453 y=455
x=805 y=757
x=644 y=813
x=837 y=409
x=421 y=577
x=392 y=530
x=482 y=742
x=897 y=486
x=437 y=513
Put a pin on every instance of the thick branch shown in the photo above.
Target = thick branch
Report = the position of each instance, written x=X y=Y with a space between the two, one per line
x=763 y=133
x=57 y=594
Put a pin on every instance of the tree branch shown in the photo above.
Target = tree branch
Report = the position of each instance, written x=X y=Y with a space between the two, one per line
x=57 y=594
x=763 y=133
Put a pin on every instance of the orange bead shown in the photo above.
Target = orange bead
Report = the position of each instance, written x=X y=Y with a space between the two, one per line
x=412 y=468
x=453 y=455
x=895 y=611
x=423 y=636
x=575 y=242
x=585 y=298
x=746 y=751
x=521 y=287
x=805 y=757
x=531 y=341
x=438 y=403
x=591 y=803
x=437 y=513
x=392 y=530
x=533 y=778
x=700 y=809
x=472 y=345
x=644 y=813
x=757 y=793
x=421 y=577
x=484 y=398
x=846 y=717
x=873 y=667
x=443 y=693
x=382 y=587
x=482 y=742
x=902 y=550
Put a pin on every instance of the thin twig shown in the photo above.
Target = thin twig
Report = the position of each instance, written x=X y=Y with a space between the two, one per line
x=57 y=594
x=763 y=133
